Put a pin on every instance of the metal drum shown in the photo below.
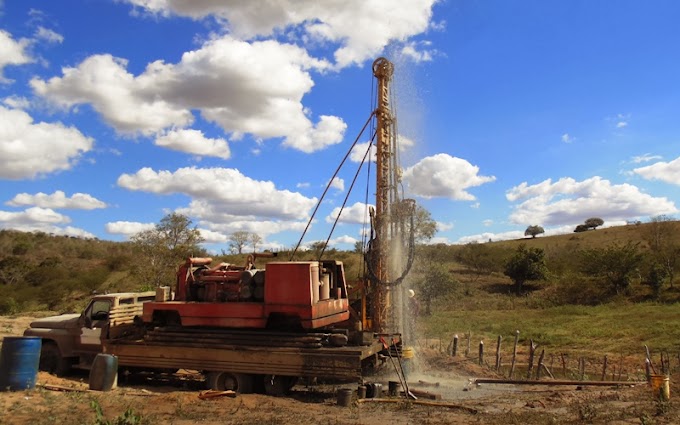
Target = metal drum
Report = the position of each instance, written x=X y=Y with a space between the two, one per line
x=19 y=362
x=104 y=372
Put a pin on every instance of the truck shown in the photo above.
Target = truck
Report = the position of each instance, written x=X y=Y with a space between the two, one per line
x=73 y=340
x=261 y=329
x=251 y=329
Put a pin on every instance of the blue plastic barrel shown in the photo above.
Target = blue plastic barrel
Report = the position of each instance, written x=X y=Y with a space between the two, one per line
x=104 y=372
x=19 y=361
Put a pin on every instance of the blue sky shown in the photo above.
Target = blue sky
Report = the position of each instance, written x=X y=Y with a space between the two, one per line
x=510 y=113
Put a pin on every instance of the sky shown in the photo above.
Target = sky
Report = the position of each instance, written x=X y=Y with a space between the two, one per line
x=237 y=113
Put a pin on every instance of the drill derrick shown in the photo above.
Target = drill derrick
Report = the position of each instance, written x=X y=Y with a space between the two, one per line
x=388 y=218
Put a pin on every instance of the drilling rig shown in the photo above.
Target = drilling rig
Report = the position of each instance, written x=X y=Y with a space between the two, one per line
x=390 y=252
x=245 y=327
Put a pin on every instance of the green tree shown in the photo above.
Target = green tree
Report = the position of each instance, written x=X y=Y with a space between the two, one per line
x=593 y=222
x=655 y=277
x=581 y=228
x=425 y=226
x=615 y=265
x=436 y=281
x=533 y=231
x=478 y=258
x=526 y=264
x=661 y=235
x=164 y=247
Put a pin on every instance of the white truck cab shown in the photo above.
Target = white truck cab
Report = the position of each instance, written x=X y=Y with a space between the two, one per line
x=73 y=340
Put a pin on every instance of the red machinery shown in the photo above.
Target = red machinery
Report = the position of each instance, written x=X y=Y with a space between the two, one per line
x=291 y=295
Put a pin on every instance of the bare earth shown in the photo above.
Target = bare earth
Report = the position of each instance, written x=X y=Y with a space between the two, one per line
x=175 y=400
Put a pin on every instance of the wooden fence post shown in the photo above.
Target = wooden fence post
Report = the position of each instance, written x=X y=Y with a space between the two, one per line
x=604 y=369
x=469 y=337
x=540 y=364
x=481 y=353
x=455 y=345
x=514 y=354
x=532 y=349
x=498 y=353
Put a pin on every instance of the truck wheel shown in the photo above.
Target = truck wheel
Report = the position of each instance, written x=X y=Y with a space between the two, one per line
x=224 y=381
x=51 y=360
x=277 y=385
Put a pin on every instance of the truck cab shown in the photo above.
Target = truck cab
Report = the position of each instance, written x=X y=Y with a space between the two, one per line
x=73 y=340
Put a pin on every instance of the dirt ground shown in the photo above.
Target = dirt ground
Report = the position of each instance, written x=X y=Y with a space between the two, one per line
x=174 y=399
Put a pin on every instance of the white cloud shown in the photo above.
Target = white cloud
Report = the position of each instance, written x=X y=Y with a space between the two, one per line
x=568 y=201
x=33 y=215
x=645 y=158
x=222 y=189
x=418 y=52
x=355 y=214
x=443 y=227
x=29 y=149
x=351 y=25
x=38 y=219
x=194 y=142
x=338 y=184
x=246 y=88
x=117 y=95
x=213 y=237
x=345 y=239
x=621 y=124
x=359 y=152
x=668 y=172
x=12 y=52
x=58 y=199
x=493 y=237
x=127 y=228
x=443 y=175
x=566 y=138
x=48 y=35
x=487 y=223
x=16 y=102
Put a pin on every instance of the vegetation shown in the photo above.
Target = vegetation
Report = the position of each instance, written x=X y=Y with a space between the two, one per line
x=534 y=231
x=526 y=264
x=594 y=284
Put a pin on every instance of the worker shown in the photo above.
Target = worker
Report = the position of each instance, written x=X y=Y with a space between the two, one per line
x=413 y=304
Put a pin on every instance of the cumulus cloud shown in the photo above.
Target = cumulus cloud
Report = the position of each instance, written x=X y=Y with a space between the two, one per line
x=221 y=189
x=338 y=183
x=444 y=176
x=38 y=219
x=12 y=52
x=443 y=227
x=566 y=138
x=194 y=142
x=568 y=201
x=668 y=172
x=103 y=82
x=58 y=200
x=355 y=214
x=350 y=25
x=246 y=88
x=29 y=149
x=127 y=228
x=493 y=237
x=359 y=152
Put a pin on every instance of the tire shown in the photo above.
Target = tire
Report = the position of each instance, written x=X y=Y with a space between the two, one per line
x=277 y=385
x=224 y=381
x=51 y=360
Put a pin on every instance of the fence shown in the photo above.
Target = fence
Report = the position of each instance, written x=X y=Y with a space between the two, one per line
x=515 y=359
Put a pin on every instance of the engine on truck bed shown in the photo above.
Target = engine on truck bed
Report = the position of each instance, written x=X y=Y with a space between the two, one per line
x=285 y=294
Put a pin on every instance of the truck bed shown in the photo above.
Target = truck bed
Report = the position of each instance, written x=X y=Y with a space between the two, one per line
x=301 y=355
